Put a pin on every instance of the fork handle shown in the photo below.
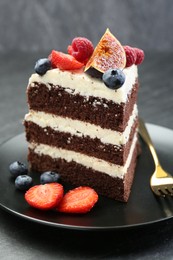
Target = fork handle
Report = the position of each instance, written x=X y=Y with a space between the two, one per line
x=145 y=135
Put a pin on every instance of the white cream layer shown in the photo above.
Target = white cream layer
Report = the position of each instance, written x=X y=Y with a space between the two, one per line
x=96 y=164
x=79 y=128
x=85 y=85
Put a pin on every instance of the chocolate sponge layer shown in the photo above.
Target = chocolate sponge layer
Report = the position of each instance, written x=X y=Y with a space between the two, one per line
x=102 y=112
x=77 y=175
x=86 y=145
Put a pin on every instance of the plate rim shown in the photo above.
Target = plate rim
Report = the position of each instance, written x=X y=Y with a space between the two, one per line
x=83 y=228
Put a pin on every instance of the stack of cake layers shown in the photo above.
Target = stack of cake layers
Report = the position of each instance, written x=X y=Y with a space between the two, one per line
x=85 y=131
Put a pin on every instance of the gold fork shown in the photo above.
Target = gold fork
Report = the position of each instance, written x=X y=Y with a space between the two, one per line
x=161 y=182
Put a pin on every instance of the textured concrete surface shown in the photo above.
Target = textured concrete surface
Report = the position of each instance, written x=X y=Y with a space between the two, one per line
x=47 y=24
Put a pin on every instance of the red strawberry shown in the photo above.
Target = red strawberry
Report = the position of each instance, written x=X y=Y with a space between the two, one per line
x=130 y=56
x=44 y=196
x=64 y=61
x=78 y=200
x=139 y=56
x=81 y=49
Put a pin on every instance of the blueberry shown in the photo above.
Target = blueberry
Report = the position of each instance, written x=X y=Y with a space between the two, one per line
x=114 y=78
x=48 y=177
x=18 y=168
x=23 y=182
x=42 y=66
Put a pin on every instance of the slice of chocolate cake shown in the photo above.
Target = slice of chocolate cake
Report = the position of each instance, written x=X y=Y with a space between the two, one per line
x=81 y=128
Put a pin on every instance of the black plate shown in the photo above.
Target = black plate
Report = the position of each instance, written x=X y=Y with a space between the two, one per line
x=142 y=208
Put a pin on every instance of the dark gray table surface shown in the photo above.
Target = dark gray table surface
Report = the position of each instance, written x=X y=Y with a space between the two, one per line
x=21 y=239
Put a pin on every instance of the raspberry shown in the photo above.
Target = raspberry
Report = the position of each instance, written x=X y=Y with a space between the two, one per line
x=130 y=56
x=70 y=50
x=139 y=56
x=81 y=49
x=64 y=61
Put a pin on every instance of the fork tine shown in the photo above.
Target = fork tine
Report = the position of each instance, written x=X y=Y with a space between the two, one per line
x=170 y=189
x=163 y=192
x=167 y=191
x=156 y=191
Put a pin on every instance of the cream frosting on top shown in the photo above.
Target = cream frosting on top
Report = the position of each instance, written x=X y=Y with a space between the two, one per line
x=85 y=85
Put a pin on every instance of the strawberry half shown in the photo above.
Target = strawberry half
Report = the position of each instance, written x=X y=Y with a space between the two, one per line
x=64 y=61
x=44 y=197
x=79 y=200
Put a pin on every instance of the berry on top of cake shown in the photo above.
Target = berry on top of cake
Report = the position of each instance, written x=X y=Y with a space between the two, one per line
x=83 y=116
